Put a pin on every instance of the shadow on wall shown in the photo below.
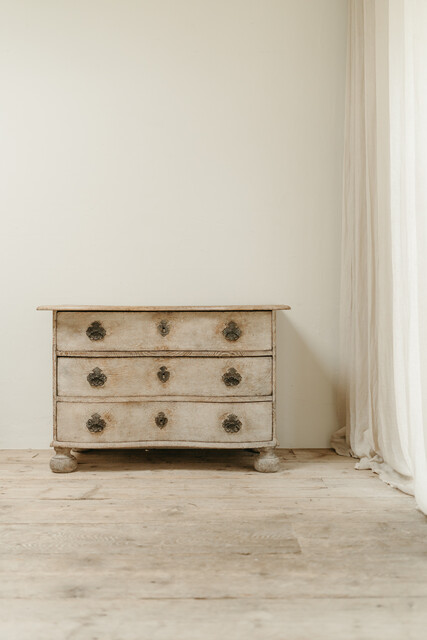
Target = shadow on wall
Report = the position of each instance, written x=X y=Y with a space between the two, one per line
x=307 y=393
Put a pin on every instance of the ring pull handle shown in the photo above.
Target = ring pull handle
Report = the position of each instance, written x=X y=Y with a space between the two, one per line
x=97 y=378
x=96 y=424
x=95 y=331
x=231 y=424
x=163 y=374
x=161 y=420
x=231 y=378
x=163 y=328
x=232 y=331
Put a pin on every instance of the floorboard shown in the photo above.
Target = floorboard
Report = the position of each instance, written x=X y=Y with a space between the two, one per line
x=190 y=545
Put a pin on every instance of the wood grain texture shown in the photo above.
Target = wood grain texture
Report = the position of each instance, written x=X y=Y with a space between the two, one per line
x=152 y=577
x=146 y=376
x=186 y=422
x=244 y=618
x=128 y=331
x=164 y=544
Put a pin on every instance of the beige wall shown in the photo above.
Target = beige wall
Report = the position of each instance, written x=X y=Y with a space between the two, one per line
x=172 y=152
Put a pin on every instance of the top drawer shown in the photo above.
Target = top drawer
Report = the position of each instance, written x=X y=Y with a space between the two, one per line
x=164 y=331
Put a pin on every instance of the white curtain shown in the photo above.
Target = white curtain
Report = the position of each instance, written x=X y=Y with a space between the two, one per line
x=384 y=251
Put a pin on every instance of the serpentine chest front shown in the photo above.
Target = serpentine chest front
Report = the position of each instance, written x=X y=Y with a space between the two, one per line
x=128 y=377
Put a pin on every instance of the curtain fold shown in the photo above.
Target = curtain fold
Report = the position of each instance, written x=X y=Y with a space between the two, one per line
x=384 y=243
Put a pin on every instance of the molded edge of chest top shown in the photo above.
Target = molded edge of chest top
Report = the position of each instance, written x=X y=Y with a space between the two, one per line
x=73 y=307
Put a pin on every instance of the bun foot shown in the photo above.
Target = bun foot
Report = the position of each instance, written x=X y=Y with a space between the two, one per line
x=63 y=461
x=267 y=461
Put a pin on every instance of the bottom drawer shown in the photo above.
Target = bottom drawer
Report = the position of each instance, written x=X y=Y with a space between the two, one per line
x=111 y=422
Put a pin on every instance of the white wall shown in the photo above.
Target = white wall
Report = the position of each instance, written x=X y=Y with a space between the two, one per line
x=172 y=152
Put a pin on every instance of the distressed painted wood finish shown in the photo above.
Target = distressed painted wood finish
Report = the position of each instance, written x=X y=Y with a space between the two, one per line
x=162 y=377
x=101 y=377
x=186 y=330
x=63 y=461
x=163 y=422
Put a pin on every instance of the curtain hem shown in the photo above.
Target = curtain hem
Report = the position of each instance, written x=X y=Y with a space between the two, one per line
x=385 y=473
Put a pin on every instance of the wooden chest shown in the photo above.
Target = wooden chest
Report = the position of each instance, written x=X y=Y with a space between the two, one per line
x=164 y=377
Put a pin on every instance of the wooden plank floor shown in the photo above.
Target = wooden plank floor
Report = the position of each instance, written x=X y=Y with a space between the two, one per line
x=196 y=545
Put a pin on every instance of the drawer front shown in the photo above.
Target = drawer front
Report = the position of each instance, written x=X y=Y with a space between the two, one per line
x=157 y=331
x=191 y=422
x=100 y=377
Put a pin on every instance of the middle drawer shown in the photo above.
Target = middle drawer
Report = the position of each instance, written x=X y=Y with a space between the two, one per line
x=156 y=376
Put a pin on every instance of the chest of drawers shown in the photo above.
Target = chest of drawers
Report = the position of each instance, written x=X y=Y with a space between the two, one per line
x=129 y=377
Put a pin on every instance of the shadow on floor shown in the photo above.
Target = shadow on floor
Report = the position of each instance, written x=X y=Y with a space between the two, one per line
x=159 y=459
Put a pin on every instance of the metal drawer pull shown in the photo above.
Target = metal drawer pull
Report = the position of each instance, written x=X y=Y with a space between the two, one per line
x=97 y=378
x=232 y=378
x=232 y=424
x=232 y=332
x=161 y=420
x=163 y=374
x=96 y=424
x=95 y=331
x=163 y=328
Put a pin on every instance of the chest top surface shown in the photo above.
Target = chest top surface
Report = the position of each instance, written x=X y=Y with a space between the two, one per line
x=76 y=307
